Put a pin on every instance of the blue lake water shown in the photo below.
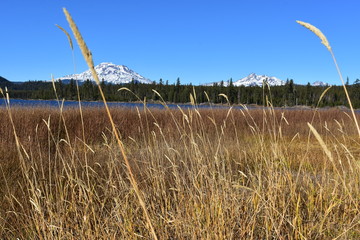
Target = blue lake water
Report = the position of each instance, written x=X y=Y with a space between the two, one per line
x=67 y=104
x=75 y=104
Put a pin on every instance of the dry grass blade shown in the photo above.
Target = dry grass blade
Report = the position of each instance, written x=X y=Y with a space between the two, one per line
x=317 y=33
x=88 y=58
x=322 y=95
x=327 y=45
x=68 y=36
x=321 y=141
x=346 y=93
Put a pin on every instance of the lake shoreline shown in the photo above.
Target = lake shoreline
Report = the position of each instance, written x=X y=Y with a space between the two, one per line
x=14 y=102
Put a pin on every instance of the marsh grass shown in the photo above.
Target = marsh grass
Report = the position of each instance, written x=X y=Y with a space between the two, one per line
x=178 y=173
x=203 y=174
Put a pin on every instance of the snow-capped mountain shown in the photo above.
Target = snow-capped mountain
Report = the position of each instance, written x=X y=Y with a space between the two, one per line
x=257 y=80
x=320 y=83
x=254 y=80
x=111 y=73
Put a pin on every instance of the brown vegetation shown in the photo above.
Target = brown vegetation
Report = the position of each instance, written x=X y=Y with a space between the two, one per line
x=209 y=173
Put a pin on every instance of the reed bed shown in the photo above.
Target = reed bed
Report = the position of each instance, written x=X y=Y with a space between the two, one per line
x=203 y=173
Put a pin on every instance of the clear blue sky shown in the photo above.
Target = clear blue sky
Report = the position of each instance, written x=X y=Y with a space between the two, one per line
x=200 y=41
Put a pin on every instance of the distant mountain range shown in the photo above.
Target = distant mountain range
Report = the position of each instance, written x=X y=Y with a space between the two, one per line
x=120 y=74
x=257 y=80
x=110 y=73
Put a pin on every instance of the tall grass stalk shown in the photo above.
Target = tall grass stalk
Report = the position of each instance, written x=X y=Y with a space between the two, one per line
x=88 y=58
x=326 y=43
x=77 y=91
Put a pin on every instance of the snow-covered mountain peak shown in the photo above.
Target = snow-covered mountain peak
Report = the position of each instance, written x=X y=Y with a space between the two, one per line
x=254 y=80
x=252 y=75
x=258 y=80
x=320 y=83
x=111 y=73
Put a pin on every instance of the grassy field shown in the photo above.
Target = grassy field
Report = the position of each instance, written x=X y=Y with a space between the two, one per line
x=179 y=174
x=209 y=174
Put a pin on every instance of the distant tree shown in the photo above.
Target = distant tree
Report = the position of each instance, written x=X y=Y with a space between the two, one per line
x=87 y=90
x=222 y=83
x=185 y=94
x=231 y=92
x=291 y=86
x=59 y=88
x=171 y=93
x=71 y=91
x=102 y=84
x=308 y=94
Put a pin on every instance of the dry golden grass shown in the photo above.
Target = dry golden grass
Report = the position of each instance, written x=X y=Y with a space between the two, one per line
x=204 y=174
x=88 y=58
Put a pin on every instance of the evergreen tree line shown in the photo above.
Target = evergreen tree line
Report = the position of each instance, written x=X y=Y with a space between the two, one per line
x=289 y=94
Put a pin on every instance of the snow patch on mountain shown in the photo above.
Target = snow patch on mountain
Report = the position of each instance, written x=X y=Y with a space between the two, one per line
x=257 y=80
x=110 y=73
x=253 y=80
x=320 y=84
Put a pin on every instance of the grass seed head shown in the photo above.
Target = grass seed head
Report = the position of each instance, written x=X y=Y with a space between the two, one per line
x=317 y=32
x=68 y=36
x=84 y=49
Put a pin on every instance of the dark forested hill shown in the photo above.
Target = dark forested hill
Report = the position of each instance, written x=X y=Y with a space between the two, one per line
x=4 y=82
